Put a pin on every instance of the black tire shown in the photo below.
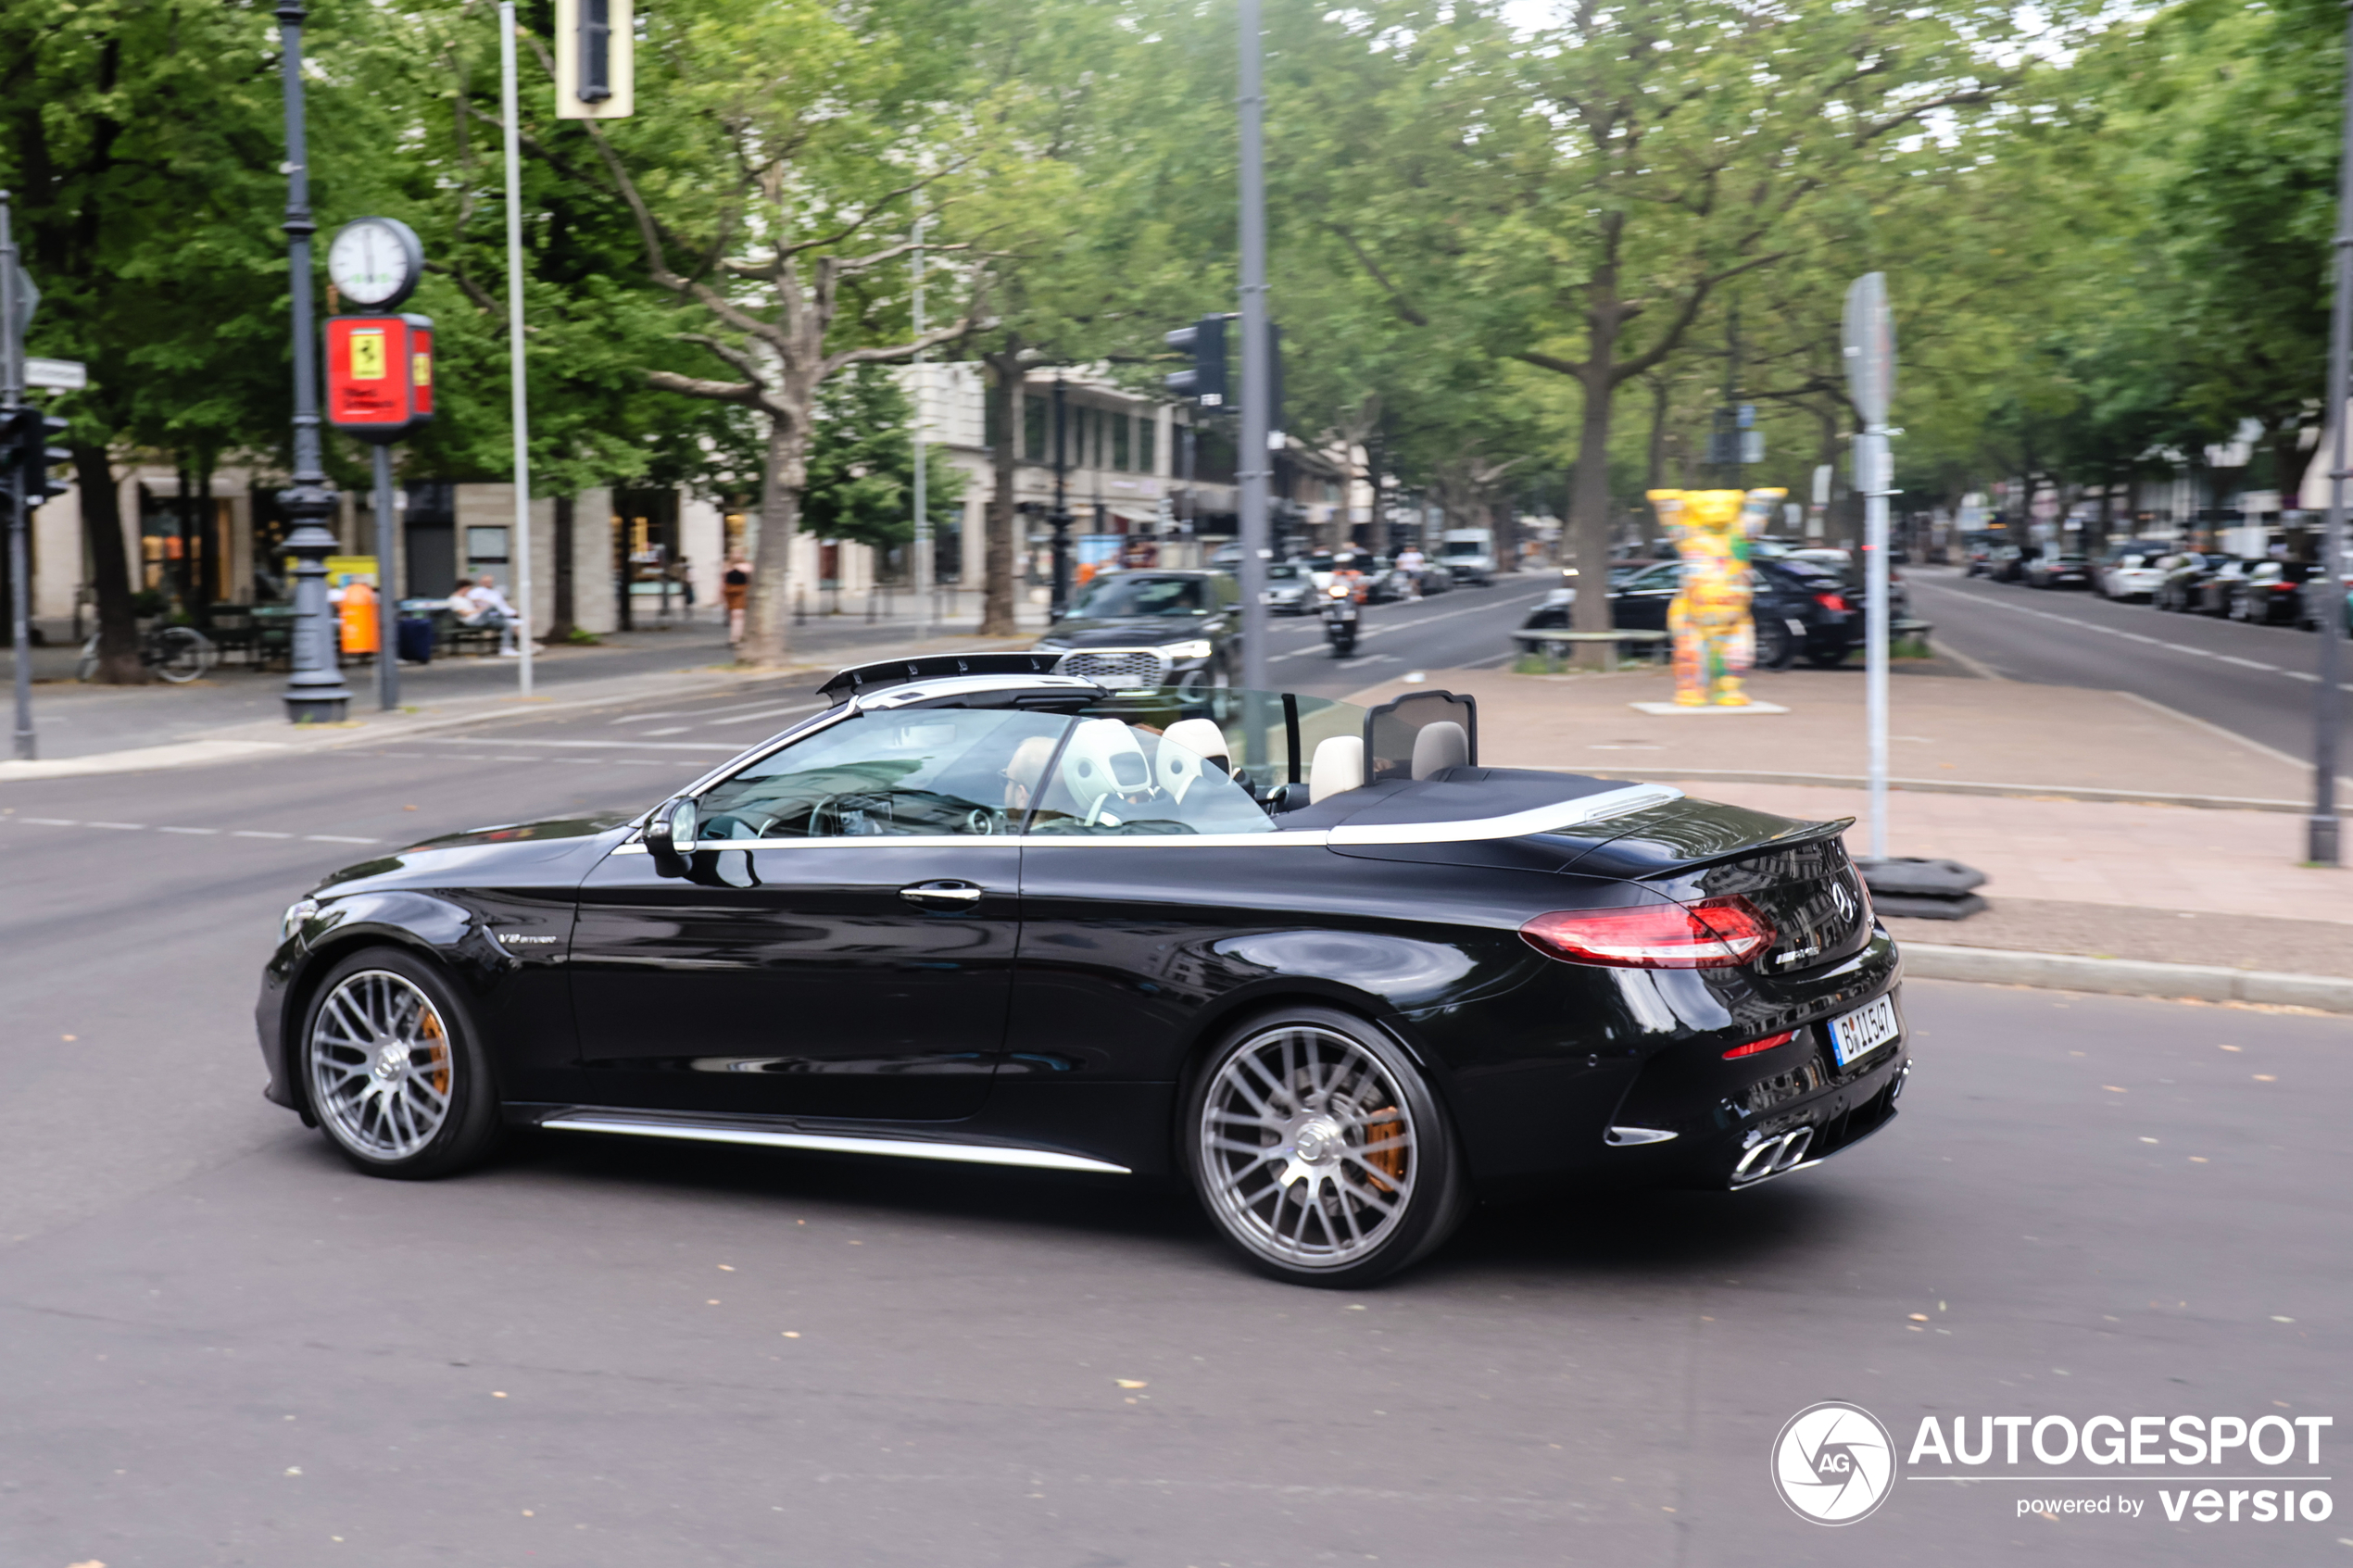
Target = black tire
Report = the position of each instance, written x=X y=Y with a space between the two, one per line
x=1775 y=649
x=1826 y=658
x=388 y=1137
x=1349 y=1114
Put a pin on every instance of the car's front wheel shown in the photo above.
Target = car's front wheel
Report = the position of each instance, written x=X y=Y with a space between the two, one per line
x=1319 y=1151
x=1775 y=649
x=395 y=1069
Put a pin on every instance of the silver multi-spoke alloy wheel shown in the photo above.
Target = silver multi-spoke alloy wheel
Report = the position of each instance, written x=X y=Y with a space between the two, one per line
x=1309 y=1152
x=382 y=1068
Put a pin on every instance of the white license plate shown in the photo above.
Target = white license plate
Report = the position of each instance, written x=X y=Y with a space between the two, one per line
x=1120 y=682
x=1863 y=1031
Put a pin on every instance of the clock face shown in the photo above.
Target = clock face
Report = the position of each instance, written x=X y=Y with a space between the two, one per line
x=374 y=262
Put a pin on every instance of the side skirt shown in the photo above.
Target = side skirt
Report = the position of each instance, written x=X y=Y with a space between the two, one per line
x=786 y=1134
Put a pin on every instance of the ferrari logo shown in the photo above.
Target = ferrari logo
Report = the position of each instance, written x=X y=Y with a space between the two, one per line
x=368 y=358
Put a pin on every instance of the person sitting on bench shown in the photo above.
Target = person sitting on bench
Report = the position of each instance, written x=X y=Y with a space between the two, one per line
x=482 y=608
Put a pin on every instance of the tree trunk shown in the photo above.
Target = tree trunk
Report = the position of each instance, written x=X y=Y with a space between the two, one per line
x=998 y=549
x=768 y=613
x=1589 y=509
x=559 y=626
x=109 y=567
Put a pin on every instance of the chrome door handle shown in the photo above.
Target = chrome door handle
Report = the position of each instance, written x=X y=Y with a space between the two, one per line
x=942 y=895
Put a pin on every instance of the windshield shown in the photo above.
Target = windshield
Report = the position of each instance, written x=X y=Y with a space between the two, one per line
x=1465 y=547
x=1140 y=593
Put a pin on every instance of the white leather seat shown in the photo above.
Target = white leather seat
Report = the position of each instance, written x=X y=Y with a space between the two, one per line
x=1339 y=766
x=1187 y=747
x=1439 y=746
x=1103 y=759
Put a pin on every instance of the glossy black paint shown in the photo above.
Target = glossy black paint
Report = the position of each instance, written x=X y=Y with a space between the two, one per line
x=793 y=983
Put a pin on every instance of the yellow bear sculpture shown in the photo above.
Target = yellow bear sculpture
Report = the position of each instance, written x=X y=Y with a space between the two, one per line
x=1715 y=639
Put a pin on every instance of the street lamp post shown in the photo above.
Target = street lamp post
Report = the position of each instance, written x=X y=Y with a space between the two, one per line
x=1257 y=419
x=315 y=692
x=1059 y=519
x=2328 y=702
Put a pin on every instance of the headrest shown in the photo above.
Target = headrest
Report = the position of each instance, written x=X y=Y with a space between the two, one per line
x=1190 y=749
x=1440 y=746
x=1339 y=766
x=1201 y=737
x=1103 y=758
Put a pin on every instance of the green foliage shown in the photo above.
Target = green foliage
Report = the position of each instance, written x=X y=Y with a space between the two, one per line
x=861 y=465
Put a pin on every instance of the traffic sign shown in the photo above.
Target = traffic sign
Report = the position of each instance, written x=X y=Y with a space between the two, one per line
x=1868 y=342
x=57 y=375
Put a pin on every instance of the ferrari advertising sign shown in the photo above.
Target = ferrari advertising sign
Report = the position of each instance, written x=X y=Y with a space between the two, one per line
x=379 y=375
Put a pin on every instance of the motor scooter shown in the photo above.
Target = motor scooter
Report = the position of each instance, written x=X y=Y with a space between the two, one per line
x=1340 y=616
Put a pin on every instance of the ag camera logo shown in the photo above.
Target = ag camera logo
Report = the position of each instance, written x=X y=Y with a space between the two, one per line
x=1833 y=1463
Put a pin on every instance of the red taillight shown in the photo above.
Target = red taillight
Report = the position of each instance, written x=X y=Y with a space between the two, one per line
x=1757 y=1047
x=1713 y=934
x=1833 y=602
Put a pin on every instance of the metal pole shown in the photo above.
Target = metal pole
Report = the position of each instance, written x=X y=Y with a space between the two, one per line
x=1257 y=384
x=387 y=611
x=1059 y=606
x=923 y=562
x=515 y=378
x=11 y=399
x=315 y=692
x=2328 y=701
x=1878 y=475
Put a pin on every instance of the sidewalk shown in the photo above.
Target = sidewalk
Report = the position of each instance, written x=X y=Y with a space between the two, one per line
x=2076 y=804
x=238 y=710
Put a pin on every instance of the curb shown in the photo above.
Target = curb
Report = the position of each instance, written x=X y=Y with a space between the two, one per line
x=2125 y=977
x=243 y=742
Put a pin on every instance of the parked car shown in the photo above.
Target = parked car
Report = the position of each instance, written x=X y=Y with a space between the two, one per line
x=2271 y=594
x=2130 y=569
x=2219 y=587
x=2056 y=568
x=1152 y=627
x=2007 y=563
x=978 y=913
x=2184 y=579
x=1800 y=610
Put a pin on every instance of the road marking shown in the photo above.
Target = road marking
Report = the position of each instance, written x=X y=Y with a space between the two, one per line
x=187 y=830
x=763 y=713
x=257 y=832
x=673 y=730
x=1975 y=598
x=209 y=832
x=129 y=827
x=52 y=821
x=337 y=838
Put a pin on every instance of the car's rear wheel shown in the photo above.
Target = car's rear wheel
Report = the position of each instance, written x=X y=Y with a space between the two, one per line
x=1319 y=1151
x=1775 y=649
x=395 y=1069
x=1826 y=658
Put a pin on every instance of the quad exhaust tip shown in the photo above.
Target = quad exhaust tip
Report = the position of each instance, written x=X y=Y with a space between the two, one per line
x=1772 y=1157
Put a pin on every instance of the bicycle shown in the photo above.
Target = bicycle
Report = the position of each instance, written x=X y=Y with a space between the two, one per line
x=178 y=654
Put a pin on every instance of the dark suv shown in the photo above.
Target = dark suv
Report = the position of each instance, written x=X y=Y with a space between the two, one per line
x=1151 y=627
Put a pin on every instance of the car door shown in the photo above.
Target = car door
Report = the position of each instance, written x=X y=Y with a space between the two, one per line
x=1642 y=604
x=843 y=943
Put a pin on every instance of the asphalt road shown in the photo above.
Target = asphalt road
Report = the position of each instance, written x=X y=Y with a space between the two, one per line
x=219 y=1346
x=2254 y=680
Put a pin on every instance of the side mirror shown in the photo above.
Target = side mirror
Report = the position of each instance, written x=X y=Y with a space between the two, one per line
x=669 y=835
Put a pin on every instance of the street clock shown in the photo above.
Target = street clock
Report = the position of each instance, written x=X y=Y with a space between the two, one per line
x=375 y=262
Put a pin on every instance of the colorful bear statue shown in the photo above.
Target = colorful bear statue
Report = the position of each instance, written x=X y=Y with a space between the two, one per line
x=1715 y=639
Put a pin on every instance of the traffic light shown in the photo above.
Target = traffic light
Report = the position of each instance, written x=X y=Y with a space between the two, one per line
x=596 y=68
x=30 y=457
x=1205 y=382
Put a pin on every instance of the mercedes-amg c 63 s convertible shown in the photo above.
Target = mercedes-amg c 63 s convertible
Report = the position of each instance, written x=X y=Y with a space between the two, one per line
x=1314 y=961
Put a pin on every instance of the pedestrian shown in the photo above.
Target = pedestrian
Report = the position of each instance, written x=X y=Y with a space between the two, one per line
x=734 y=587
x=1410 y=560
x=481 y=604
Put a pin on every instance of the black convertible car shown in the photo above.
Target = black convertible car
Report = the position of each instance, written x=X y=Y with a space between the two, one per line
x=1315 y=961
